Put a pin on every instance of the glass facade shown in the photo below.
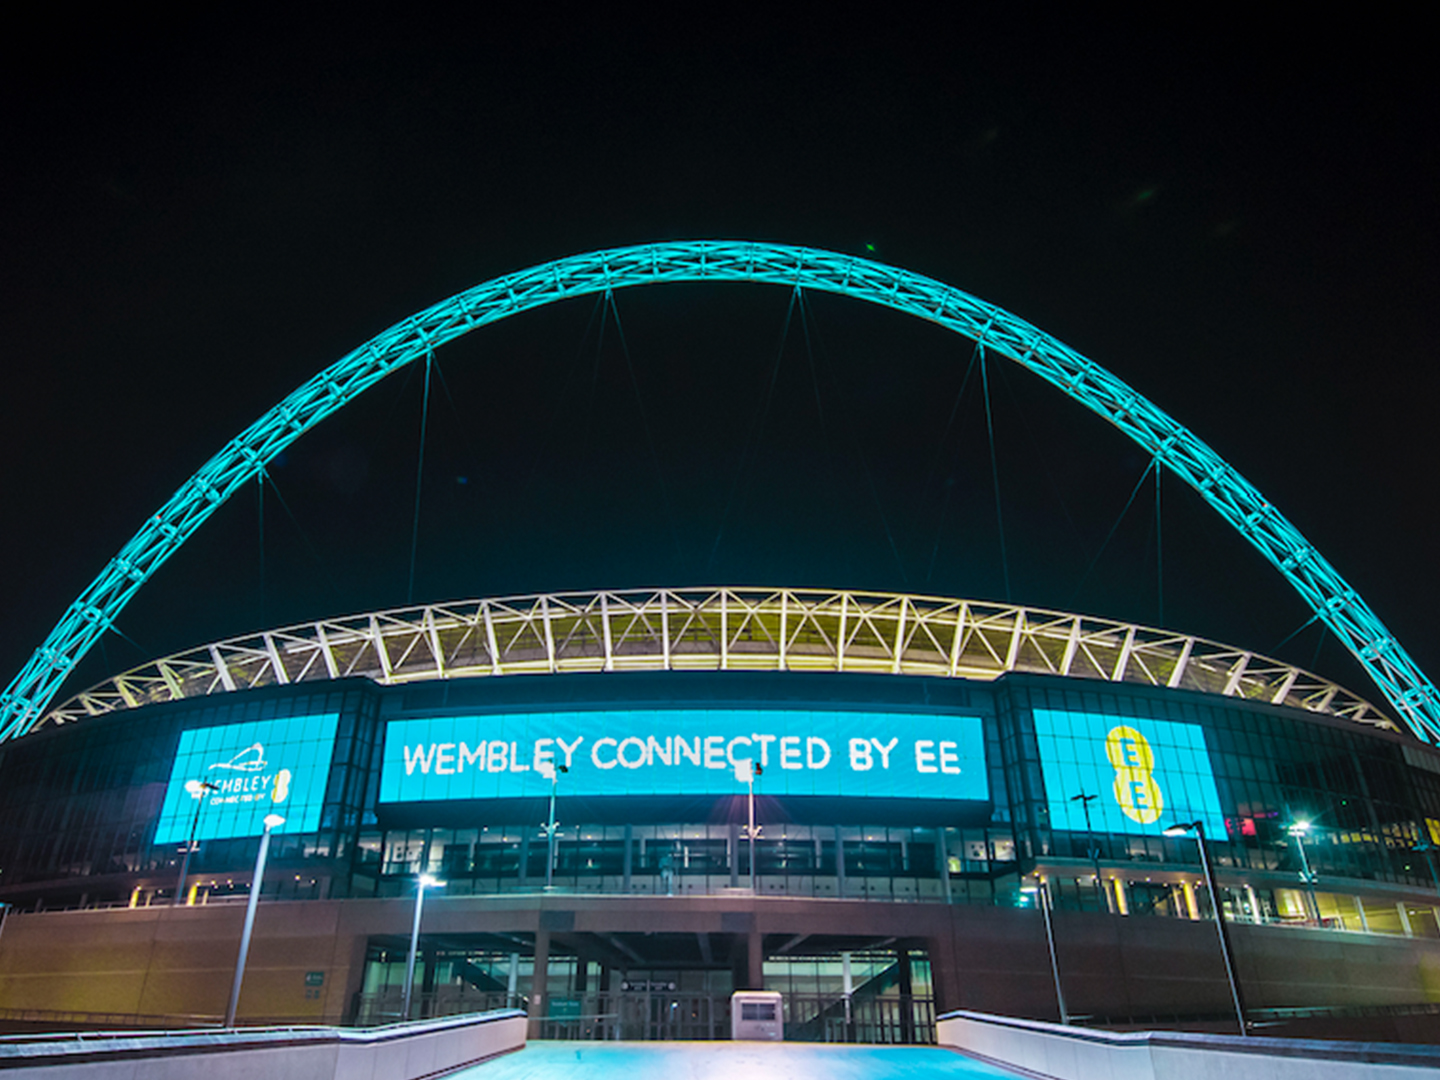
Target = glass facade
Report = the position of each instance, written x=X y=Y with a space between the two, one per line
x=82 y=810
x=84 y=816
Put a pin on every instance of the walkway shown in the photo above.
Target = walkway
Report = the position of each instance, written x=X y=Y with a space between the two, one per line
x=727 y=1060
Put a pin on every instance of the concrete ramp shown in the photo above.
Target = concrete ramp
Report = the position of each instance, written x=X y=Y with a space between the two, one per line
x=730 y=1061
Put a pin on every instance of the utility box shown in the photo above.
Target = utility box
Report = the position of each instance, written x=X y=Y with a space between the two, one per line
x=756 y=1015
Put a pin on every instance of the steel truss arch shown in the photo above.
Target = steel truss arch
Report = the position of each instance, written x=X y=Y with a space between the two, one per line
x=1399 y=678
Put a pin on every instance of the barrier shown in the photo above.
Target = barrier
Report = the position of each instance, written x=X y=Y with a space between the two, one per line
x=1054 y=1052
x=414 y=1051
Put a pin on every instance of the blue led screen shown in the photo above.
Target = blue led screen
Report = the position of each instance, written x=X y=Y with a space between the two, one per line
x=1148 y=774
x=257 y=768
x=663 y=752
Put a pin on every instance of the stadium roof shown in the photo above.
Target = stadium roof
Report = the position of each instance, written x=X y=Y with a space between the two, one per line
x=726 y=629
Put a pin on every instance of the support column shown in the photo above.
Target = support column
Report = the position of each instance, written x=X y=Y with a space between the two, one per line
x=1122 y=900
x=839 y=862
x=907 y=995
x=1404 y=918
x=1256 y=915
x=629 y=857
x=942 y=856
x=427 y=985
x=755 y=960
x=733 y=855
x=539 y=979
x=1192 y=907
x=606 y=1003
x=512 y=988
x=1360 y=910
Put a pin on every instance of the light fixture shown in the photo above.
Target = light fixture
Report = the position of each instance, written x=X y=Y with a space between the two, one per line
x=271 y=821
x=423 y=882
x=1198 y=828
x=196 y=790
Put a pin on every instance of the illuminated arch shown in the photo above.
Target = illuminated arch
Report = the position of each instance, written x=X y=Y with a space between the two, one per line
x=1333 y=600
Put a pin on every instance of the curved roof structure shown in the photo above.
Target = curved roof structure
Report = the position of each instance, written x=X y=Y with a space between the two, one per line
x=725 y=629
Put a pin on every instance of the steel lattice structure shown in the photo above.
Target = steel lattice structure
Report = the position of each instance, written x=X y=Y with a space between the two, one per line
x=1333 y=600
x=718 y=629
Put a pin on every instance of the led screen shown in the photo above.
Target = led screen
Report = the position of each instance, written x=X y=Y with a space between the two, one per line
x=686 y=752
x=1148 y=774
x=258 y=768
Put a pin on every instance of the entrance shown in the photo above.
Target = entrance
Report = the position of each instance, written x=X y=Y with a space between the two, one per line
x=660 y=987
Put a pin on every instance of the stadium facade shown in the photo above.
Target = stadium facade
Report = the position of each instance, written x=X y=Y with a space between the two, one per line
x=928 y=768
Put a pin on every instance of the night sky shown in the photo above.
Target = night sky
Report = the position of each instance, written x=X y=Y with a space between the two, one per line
x=199 y=214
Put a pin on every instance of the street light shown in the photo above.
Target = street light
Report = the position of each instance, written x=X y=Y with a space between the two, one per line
x=271 y=821
x=551 y=772
x=1042 y=892
x=1198 y=828
x=425 y=881
x=745 y=772
x=1298 y=830
x=1085 y=800
x=197 y=790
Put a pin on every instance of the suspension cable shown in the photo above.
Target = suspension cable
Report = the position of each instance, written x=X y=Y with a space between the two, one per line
x=419 y=475
x=304 y=536
x=260 y=503
x=859 y=450
x=1159 y=553
x=949 y=480
x=1108 y=536
x=1033 y=440
x=645 y=424
x=755 y=425
x=995 y=472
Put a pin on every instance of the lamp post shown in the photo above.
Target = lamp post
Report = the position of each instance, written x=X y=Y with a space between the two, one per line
x=1085 y=800
x=551 y=772
x=1298 y=830
x=271 y=822
x=1198 y=828
x=197 y=790
x=1043 y=896
x=422 y=883
x=746 y=772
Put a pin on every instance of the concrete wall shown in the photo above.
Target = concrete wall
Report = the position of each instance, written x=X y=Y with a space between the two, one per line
x=176 y=963
x=399 y=1052
x=1077 y=1054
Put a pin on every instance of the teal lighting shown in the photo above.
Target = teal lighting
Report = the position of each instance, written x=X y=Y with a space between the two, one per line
x=1329 y=595
x=246 y=772
x=683 y=752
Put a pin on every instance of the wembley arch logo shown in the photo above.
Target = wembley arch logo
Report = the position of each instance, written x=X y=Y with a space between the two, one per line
x=241 y=772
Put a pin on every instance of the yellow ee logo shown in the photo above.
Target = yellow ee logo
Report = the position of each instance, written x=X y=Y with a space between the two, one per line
x=1135 y=787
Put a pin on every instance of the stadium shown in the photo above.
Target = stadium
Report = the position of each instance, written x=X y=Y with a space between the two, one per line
x=620 y=806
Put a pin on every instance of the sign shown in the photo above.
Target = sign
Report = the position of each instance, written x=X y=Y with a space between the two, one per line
x=243 y=772
x=564 y=1008
x=685 y=752
x=1148 y=774
x=314 y=978
x=648 y=986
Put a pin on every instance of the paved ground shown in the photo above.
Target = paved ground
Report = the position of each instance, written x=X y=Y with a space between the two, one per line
x=726 y=1060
